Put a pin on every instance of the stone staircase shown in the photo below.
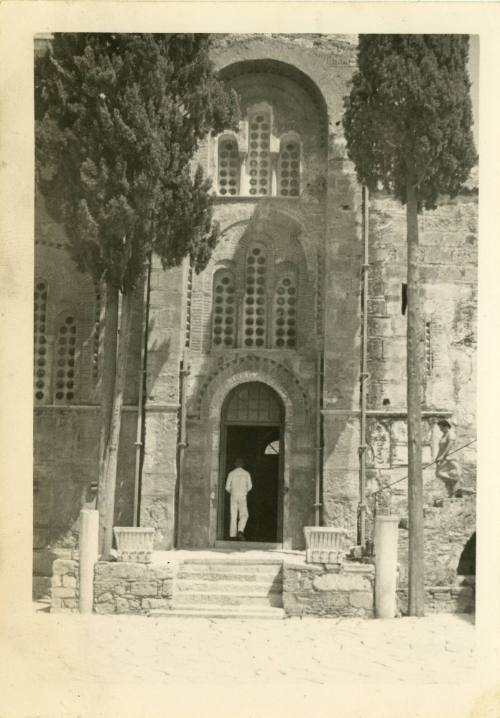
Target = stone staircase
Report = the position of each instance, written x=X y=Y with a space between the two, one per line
x=227 y=588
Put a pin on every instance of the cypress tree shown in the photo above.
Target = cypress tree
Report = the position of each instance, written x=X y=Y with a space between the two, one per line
x=408 y=129
x=119 y=118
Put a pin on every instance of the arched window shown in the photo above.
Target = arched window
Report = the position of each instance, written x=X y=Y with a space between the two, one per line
x=259 y=157
x=285 y=313
x=254 y=334
x=224 y=313
x=289 y=167
x=229 y=166
x=40 y=358
x=65 y=359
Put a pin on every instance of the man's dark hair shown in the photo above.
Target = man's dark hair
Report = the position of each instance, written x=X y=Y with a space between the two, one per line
x=239 y=462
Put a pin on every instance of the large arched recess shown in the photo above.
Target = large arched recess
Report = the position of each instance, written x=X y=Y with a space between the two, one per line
x=327 y=74
x=234 y=70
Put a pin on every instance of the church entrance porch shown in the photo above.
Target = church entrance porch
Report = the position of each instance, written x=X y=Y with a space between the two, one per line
x=255 y=408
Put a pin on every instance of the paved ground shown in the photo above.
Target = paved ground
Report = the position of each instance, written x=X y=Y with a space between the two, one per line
x=70 y=665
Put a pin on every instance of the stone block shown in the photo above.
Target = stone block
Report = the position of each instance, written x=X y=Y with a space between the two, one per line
x=167 y=588
x=337 y=599
x=70 y=603
x=128 y=605
x=105 y=597
x=56 y=580
x=62 y=566
x=361 y=599
x=63 y=592
x=159 y=572
x=379 y=327
x=341 y=582
x=148 y=603
x=105 y=608
x=117 y=586
x=144 y=588
x=120 y=569
x=69 y=581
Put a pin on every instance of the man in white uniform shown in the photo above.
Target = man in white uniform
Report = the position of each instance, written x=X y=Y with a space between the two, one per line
x=238 y=484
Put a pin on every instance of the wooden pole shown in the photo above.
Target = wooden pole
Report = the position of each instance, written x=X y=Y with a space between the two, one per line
x=416 y=594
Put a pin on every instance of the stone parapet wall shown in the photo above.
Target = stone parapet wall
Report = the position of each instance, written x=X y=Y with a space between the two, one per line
x=124 y=587
x=447 y=528
x=65 y=585
x=443 y=599
x=310 y=590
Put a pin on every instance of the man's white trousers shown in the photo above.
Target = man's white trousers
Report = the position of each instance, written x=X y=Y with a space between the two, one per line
x=239 y=514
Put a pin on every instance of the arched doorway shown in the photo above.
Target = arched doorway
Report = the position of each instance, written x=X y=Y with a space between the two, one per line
x=252 y=421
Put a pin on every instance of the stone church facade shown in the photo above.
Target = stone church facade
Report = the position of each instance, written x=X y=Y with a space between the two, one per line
x=259 y=355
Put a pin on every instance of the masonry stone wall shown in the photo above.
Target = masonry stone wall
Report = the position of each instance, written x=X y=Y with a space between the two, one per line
x=443 y=599
x=66 y=431
x=124 y=587
x=65 y=586
x=317 y=590
x=447 y=526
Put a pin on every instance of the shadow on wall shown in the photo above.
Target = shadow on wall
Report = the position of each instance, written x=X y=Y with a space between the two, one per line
x=158 y=355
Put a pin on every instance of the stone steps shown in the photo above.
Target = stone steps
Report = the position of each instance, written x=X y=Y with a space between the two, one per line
x=255 y=587
x=204 y=611
x=224 y=587
x=241 y=598
x=229 y=562
x=228 y=576
x=249 y=545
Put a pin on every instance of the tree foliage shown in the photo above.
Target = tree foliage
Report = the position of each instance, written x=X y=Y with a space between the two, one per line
x=408 y=117
x=119 y=118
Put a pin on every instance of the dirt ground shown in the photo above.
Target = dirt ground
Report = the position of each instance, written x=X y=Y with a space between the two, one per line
x=66 y=666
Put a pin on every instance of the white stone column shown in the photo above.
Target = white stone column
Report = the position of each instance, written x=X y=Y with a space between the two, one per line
x=89 y=539
x=386 y=555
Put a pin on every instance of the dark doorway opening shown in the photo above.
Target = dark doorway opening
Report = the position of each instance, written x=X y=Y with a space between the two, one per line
x=259 y=447
x=467 y=561
x=252 y=430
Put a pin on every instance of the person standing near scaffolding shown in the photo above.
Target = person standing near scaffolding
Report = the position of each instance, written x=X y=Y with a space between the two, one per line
x=447 y=469
x=238 y=484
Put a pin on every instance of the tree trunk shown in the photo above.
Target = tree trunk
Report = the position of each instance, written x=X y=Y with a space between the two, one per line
x=111 y=457
x=414 y=388
x=107 y=394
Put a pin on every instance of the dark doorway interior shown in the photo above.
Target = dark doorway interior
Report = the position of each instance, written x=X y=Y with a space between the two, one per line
x=467 y=562
x=259 y=447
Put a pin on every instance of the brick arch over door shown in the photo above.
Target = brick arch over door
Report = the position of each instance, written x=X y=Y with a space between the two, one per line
x=209 y=398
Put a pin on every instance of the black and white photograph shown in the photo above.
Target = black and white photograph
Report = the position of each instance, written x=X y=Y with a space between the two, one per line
x=254 y=292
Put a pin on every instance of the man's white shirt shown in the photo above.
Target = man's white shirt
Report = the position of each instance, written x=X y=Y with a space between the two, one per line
x=238 y=482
